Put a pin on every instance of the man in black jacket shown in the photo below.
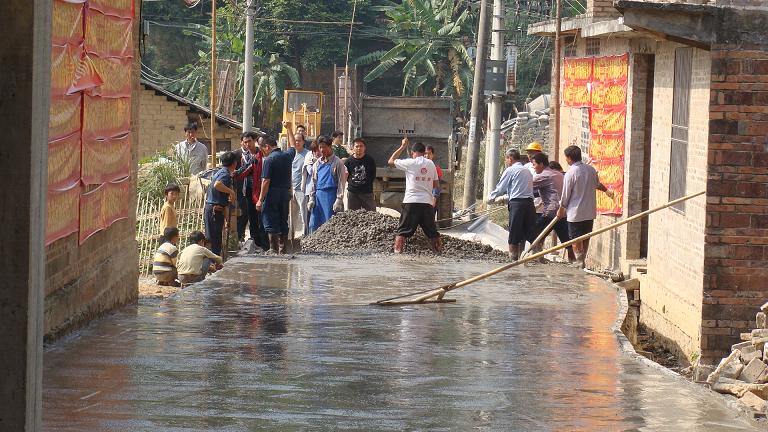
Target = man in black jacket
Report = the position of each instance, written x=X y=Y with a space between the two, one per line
x=361 y=169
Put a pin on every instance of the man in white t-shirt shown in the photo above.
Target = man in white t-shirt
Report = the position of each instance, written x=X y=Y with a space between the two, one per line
x=422 y=187
x=192 y=151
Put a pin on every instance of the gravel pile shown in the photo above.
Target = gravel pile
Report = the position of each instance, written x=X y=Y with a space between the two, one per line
x=361 y=231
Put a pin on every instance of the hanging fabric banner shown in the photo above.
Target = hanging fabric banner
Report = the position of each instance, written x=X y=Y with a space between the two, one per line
x=117 y=8
x=64 y=62
x=108 y=36
x=116 y=202
x=609 y=96
x=610 y=69
x=91 y=220
x=578 y=69
x=106 y=159
x=106 y=117
x=67 y=23
x=606 y=122
x=64 y=116
x=607 y=147
x=86 y=76
x=115 y=74
x=64 y=162
x=62 y=214
x=577 y=73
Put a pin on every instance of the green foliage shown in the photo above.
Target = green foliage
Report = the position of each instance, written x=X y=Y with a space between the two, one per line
x=427 y=36
x=158 y=172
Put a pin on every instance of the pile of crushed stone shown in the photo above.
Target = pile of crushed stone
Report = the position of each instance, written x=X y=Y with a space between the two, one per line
x=360 y=231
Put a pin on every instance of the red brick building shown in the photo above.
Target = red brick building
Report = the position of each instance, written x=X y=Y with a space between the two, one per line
x=696 y=119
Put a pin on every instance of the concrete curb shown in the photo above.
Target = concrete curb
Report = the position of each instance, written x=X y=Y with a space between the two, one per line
x=628 y=349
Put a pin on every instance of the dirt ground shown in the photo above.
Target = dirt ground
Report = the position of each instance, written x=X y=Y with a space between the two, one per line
x=148 y=289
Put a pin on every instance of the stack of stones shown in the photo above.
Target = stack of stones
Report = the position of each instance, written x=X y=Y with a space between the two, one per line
x=528 y=127
x=744 y=373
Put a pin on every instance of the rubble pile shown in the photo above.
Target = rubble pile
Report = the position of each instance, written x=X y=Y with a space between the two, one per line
x=529 y=125
x=360 y=231
x=744 y=373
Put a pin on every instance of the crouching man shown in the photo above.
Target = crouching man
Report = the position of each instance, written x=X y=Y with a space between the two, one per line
x=422 y=188
x=196 y=261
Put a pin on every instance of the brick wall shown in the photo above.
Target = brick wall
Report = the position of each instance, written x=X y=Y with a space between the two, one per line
x=162 y=123
x=736 y=258
x=162 y=126
x=672 y=289
x=601 y=8
x=85 y=281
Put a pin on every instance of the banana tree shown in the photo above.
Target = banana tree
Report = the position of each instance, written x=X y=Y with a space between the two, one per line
x=427 y=37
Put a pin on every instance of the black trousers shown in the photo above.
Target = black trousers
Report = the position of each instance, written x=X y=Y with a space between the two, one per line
x=245 y=210
x=256 y=228
x=560 y=228
x=214 y=227
x=522 y=220
x=416 y=215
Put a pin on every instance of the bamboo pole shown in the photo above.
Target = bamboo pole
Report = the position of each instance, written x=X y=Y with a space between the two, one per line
x=439 y=292
x=214 y=77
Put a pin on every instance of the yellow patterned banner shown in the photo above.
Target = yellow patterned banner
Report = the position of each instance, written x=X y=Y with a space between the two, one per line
x=64 y=62
x=64 y=116
x=118 y=8
x=62 y=214
x=117 y=199
x=103 y=206
x=106 y=117
x=576 y=95
x=577 y=69
x=67 y=23
x=606 y=147
x=108 y=36
x=611 y=68
x=106 y=160
x=609 y=95
x=603 y=122
x=91 y=220
x=611 y=206
x=64 y=162
x=116 y=77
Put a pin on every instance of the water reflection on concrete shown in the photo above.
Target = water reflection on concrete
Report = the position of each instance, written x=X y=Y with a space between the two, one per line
x=292 y=344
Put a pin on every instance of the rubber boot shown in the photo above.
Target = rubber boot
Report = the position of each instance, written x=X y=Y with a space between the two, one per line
x=281 y=242
x=273 y=244
x=514 y=252
x=437 y=245
x=399 y=244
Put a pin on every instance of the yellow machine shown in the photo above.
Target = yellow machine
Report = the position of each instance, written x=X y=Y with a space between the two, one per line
x=302 y=107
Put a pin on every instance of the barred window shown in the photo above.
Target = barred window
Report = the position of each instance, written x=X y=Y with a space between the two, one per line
x=681 y=98
x=593 y=47
x=569 y=46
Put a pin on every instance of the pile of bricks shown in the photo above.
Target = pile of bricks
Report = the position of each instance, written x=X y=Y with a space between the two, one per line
x=744 y=373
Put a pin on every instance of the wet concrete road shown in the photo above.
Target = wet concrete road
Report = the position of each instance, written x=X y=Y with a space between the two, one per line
x=273 y=344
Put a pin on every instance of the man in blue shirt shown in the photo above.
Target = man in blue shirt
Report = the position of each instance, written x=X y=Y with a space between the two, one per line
x=219 y=195
x=516 y=187
x=275 y=198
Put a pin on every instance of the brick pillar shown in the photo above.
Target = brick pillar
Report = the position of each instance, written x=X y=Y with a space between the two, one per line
x=736 y=253
x=602 y=9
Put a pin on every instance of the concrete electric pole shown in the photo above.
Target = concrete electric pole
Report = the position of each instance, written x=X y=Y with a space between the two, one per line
x=248 y=90
x=494 y=107
x=213 y=84
x=556 y=85
x=478 y=87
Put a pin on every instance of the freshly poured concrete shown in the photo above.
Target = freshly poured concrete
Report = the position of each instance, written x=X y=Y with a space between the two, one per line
x=277 y=344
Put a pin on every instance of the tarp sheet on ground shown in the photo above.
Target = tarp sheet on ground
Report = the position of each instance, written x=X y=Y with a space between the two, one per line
x=90 y=116
x=600 y=84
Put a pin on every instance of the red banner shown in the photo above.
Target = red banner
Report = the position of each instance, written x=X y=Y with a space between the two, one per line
x=103 y=206
x=118 y=8
x=64 y=62
x=607 y=122
x=609 y=96
x=576 y=95
x=64 y=162
x=106 y=160
x=115 y=74
x=67 y=23
x=607 y=147
x=64 y=116
x=106 y=117
x=577 y=69
x=117 y=200
x=108 y=36
x=62 y=214
x=611 y=69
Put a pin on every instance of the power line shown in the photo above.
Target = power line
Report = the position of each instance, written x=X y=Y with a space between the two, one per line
x=543 y=54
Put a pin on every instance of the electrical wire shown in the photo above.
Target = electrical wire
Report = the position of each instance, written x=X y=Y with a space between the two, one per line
x=543 y=54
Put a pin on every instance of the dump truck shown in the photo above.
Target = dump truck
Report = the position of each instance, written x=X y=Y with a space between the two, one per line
x=302 y=107
x=384 y=121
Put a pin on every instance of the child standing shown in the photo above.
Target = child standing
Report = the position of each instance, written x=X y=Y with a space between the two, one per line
x=168 y=212
x=164 y=262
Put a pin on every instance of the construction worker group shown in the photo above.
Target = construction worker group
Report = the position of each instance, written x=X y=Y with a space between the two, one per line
x=293 y=192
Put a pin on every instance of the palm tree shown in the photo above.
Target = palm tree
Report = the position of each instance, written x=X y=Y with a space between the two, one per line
x=427 y=37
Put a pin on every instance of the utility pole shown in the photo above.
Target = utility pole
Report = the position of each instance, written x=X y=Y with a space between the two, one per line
x=213 y=83
x=556 y=84
x=473 y=147
x=494 y=107
x=250 y=13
